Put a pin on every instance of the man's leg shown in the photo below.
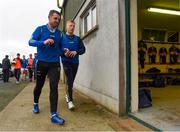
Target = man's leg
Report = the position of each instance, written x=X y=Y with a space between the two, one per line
x=15 y=73
x=7 y=79
x=74 y=72
x=75 y=69
x=4 y=75
x=54 y=76
x=69 y=75
x=34 y=73
x=30 y=73
x=18 y=74
x=42 y=69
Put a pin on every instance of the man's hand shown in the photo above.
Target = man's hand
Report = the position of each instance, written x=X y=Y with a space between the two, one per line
x=49 y=42
x=69 y=53
x=72 y=54
x=66 y=52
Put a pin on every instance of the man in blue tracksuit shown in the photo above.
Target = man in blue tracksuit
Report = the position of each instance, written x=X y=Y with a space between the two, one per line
x=47 y=39
x=73 y=47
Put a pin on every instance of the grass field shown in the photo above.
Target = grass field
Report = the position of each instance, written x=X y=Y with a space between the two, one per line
x=8 y=91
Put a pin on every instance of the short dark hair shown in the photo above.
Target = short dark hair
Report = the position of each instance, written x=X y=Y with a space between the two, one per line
x=51 y=12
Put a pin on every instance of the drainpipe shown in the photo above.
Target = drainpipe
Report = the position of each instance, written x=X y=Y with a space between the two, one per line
x=63 y=29
x=62 y=14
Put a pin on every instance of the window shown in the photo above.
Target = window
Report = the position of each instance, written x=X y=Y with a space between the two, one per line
x=87 y=23
x=173 y=36
x=94 y=16
x=154 y=35
x=88 y=19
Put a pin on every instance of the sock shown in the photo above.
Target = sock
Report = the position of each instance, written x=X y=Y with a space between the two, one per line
x=53 y=113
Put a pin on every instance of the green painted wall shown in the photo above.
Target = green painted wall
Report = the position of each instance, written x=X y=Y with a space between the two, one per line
x=70 y=9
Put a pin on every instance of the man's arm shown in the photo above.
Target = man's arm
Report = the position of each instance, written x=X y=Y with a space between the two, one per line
x=35 y=39
x=9 y=63
x=82 y=48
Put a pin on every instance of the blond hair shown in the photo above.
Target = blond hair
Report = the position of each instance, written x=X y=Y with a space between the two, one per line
x=70 y=21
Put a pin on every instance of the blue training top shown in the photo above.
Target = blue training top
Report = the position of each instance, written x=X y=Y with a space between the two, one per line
x=24 y=63
x=73 y=43
x=47 y=53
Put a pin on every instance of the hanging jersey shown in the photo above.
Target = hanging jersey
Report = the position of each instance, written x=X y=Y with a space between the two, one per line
x=173 y=50
x=163 y=51
x=152 y=51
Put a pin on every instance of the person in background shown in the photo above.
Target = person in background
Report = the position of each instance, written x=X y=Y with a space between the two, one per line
x=6 y=66
x=29 y=66
x=73 y=47
x=17 y=68
x=24 y=68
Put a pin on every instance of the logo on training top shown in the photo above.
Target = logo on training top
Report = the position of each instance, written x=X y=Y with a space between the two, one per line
x=71 y=42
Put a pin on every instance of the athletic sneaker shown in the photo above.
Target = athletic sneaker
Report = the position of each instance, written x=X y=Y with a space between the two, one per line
x=17 y=82
x=71 y=105
x=57 y=120
x=36 y=109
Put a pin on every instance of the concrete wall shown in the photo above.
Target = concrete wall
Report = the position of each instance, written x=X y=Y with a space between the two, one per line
x=98 y=75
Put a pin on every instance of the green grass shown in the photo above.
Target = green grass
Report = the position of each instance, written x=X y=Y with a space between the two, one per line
x=8 y=91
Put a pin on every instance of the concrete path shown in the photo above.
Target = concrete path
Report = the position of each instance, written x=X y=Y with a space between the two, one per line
x=18 y=116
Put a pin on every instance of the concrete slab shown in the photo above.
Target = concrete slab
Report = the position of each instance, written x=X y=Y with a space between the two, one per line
x=88 y=115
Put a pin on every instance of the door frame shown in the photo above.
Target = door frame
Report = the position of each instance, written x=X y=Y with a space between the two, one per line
x=131 y=52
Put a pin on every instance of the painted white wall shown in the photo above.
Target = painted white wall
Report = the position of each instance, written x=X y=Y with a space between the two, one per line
x=98 y=75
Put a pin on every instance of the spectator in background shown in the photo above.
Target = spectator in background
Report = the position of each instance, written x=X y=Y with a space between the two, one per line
x=29 y=66
x=17 y=67
x=6 y=66
x=24 y=68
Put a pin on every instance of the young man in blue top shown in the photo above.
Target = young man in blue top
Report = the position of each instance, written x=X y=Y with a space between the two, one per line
x=73 y=47
x=47 y=39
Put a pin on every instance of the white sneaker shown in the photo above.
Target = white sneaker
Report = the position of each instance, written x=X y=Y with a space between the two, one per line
x=71 y=105
x=17 y=82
